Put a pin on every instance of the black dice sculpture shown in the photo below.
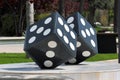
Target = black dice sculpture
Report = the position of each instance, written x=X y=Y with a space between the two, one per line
x=86 y=38
x=51 y=42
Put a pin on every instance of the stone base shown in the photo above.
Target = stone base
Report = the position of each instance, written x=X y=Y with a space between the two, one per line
x=102 y=70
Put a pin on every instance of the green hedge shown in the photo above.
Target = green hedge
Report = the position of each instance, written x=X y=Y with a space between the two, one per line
x=7 y=28
x=41 y=16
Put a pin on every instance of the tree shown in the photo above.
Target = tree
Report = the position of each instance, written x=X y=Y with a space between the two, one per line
x=0 y=19
x=29 y=15
x=81 y=6
x=71 y=6
x=117 y=23
x=61 y=7
x=42 y=6
x=116 y=16
x=98 y=4
x=21 y=17
x=5 y=7
x=29 y=12
x=16 y=8
x=91 y=11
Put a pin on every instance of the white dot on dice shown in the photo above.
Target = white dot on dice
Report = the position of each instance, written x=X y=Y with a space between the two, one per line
x=72 y=46
x=72 y=34
x=46 y=32
x=60 y=21
x=93 y=43
x=33 y=28
x=50 y=54
x=32 y=39
x=52 y=44
x=82 y=21
x=40 y=30
x=66 y=28
x=78 y=44
x=59 y=32
x=92 y=31
x=87 y=32
x=83 y=33
x=72 y=60
x=66 y=39
x=70 y=19
x=86 y=53
x=48 y=63
x=48 y=20
x=72 y=26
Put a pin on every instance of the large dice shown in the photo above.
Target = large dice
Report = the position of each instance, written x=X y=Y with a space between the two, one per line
x=50 y=42
x=86 y=38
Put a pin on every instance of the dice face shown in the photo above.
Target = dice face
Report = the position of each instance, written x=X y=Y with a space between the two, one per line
x=86 y=38
x=50 y=42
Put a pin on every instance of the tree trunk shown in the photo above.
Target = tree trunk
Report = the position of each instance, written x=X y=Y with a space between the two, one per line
x=0 y=24
x=19 y=28
x=29 y=15
x=81 y=7
x=117 y=23
x=61 y=7
x=91 y=15
x=115 y=15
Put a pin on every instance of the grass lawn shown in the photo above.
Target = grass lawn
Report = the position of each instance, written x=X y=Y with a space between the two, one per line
x=19 y=58
x=13 y=58
x=101 y=57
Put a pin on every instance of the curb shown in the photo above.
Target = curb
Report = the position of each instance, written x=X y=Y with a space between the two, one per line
x=11 y=38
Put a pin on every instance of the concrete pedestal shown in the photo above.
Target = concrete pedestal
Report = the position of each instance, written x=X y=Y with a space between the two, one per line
x=103 y=70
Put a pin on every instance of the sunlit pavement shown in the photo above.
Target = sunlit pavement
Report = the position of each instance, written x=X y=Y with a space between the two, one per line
x=11 y=44
x=11 y=48
x=100 y=70
x=16 y=44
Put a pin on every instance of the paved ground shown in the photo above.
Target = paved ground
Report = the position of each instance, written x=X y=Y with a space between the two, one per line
x=11 y=44
x=102 y=70
x=11 y=48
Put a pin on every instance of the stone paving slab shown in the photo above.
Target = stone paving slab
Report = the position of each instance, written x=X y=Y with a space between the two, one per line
x=102 y=70
x=12 y=48
x=12 y=44
x=12 y=38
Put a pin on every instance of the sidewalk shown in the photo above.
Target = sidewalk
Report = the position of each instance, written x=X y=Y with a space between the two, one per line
x=100 y=70
x=11 y=44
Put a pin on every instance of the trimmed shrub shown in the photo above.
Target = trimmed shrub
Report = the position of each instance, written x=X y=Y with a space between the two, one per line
x=41 y=16
x=7 y=28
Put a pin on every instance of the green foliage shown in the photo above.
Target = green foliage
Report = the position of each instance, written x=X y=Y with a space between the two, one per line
x=101 y=57
x=98 y=28
x=13 y=58
x=20 y=58
x=103 y=29
x=97 y=15
x=111 y=16
x=41 y=16
x=85 y=14
x=8 y=28
x=102 y=4
x=104 y=17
